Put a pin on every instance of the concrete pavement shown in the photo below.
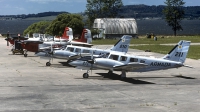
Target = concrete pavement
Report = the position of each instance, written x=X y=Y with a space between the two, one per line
x=27 y=85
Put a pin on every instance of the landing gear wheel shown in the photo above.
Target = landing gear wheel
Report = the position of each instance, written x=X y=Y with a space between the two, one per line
x=110 y=73
x=25 y=55
x=85 y=75
x=122 y=78
x=48 y=64
x=13 y=52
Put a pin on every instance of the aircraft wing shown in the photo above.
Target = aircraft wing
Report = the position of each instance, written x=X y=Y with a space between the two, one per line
x=130 y=66
x=32 y=41
x=80 y=55
x=80 y=44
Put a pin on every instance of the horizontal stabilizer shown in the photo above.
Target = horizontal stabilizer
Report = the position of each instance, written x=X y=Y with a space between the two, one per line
x=187 y=66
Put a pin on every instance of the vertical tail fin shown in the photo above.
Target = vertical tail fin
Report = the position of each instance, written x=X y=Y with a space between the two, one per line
x=179 y=52
x=88 y=36
x=123 y=44
x=68 y=34
x=83 y=36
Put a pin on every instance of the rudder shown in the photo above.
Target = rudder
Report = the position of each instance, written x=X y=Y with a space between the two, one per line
x=123 y=44
x=179 y=52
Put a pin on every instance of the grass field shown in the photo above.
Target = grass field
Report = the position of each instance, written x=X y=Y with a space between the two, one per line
x=194 y=50
x=154 y=46
x=143 y=40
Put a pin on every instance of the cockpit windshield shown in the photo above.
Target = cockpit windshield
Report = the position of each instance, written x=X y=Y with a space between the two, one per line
x=71 y=49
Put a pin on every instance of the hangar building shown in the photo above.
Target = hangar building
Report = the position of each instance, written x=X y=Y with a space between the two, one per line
x=115 y=27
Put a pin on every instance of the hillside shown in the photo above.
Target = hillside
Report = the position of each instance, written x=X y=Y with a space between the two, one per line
x=143 y=11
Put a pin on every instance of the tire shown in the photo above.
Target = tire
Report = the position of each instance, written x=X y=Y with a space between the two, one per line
x=48 y=64
x=110 y=73
x=25 y=55
x=85 y=75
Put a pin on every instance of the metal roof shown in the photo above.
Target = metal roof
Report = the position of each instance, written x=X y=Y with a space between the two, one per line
x=116 y=25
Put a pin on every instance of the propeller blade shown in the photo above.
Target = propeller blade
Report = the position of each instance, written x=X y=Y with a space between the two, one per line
x=7 y=43
x=51 y=47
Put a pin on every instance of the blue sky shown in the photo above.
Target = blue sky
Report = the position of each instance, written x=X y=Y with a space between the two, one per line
x=14 y=7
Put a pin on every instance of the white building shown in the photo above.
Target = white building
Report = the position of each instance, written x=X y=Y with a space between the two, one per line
x=116 y=27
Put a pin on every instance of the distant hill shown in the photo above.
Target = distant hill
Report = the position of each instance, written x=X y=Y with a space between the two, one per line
x=39 y=16
x=143 y=11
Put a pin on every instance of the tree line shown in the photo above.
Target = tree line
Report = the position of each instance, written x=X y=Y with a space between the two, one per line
x=173 y=13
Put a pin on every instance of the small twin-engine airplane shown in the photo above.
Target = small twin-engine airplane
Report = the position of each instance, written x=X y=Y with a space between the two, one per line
x=35 y=45
x=73 y=52
x=124 y=62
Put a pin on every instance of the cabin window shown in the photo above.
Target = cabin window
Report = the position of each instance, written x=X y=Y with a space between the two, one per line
x=106 y=55
x=70 y=49
x=123 y=58
x=86 y=51
x=77 y=50
x=142 y=61
x=114 y=57
x=133 y=60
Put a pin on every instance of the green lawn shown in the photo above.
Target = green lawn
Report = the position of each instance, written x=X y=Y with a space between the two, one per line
x=166 y=39
x=143 y=40
x=194 y=50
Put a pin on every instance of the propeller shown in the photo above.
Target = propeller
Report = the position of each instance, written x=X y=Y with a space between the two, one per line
x=91 y=61
x=8 y=35
x=51 y=54
x=7 y=41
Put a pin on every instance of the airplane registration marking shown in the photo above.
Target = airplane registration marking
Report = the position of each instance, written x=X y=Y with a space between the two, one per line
x=179 y=54
x=160 y=64
x=123 y=46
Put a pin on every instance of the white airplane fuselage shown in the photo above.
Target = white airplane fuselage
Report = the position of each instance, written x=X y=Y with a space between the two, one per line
x=110 y=64
x=76 y=50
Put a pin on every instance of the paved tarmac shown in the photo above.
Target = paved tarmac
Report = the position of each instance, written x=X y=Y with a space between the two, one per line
x=27 y=85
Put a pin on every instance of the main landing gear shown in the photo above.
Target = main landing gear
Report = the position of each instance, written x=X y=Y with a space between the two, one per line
x=123 y=75
x=110 y=73
x=85 y=75
x=48 y=64
x=25 y=53
x=50 y=58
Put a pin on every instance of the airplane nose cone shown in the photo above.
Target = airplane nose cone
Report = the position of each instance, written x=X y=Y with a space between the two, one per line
x=57 y=53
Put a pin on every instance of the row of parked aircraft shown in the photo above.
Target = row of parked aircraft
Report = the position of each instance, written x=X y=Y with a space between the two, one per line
x=38 y=44
x=116 y=58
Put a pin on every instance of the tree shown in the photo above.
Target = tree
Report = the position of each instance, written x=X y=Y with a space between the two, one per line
x=174 y=13
x=58 y=25
x=39 y=27
x=112 y=7
x=102 y=9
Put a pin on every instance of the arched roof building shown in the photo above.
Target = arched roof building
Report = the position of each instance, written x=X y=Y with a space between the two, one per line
x=116 y=27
